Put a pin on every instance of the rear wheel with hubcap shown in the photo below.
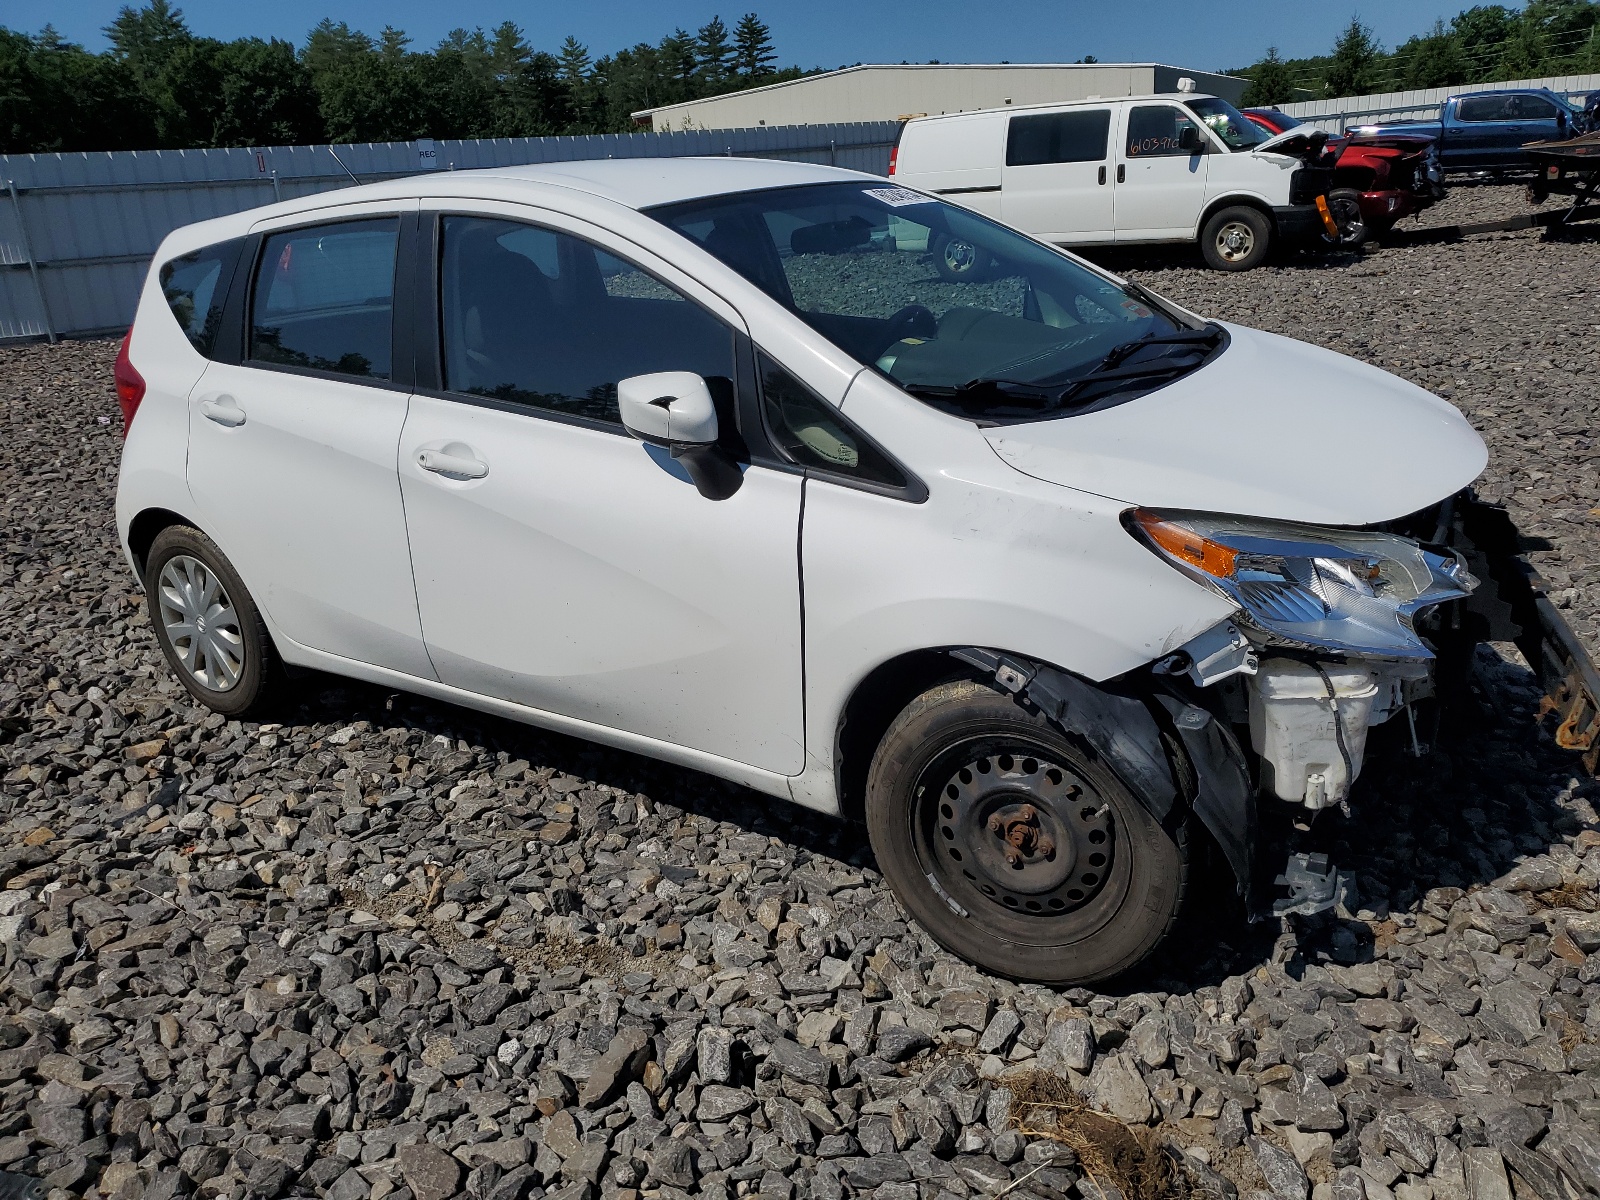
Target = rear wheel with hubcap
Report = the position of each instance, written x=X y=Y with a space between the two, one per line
x=1014 y=845
x=958 y=260
x=207 y=623
x=1236 y=239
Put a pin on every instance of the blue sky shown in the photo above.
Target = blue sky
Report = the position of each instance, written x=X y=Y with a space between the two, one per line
x=828 y=33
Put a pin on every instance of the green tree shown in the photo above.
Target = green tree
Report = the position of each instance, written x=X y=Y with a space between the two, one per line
x=753 y=55
x=1434 y=60
x=1271 y=82
x=1482 y=32
x=1355 y=56
x=713 y=54
x=147 y=38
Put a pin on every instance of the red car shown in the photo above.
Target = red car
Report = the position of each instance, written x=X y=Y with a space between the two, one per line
x=1377 y=178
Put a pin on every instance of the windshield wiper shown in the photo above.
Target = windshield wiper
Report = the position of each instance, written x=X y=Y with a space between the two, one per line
x=1189 y=348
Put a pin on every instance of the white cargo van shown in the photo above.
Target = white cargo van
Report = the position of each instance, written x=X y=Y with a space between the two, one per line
x=1163 y=168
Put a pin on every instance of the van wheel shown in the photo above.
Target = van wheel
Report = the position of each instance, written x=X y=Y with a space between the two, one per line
x=1344 y=204
x=208 y=625
x=1236 y=239
x=1014 y=845
x=958 y=260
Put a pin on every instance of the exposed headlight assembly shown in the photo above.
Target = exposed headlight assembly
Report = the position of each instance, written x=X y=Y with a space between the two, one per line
x=1308 y=587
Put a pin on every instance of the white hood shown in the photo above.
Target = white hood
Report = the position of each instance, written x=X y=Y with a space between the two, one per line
x=1272 y=428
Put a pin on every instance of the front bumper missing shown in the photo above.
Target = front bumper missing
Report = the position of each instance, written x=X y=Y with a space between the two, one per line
x=1315 y=885
x=1518 y=609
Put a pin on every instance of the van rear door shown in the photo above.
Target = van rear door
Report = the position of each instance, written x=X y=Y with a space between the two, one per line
x=1056 y=177
x=958 y=158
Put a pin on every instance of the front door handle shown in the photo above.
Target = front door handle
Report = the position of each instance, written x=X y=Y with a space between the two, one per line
x=457 y=466
x=224 y=410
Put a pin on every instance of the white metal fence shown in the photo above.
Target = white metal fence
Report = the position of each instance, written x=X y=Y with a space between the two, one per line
x=1336 y=115
x=77 y=230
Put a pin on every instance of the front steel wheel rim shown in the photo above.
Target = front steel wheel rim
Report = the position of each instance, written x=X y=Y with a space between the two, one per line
x=1235 y=241
x=1008 y=831
x=960 y=256
x=200 y=622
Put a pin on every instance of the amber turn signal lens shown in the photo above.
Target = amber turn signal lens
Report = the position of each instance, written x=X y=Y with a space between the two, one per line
x=1188 y=546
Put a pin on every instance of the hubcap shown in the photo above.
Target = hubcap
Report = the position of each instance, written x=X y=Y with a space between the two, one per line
x=1235 y=240
x=960 y=256
x=200 y=622
x=1014 y=829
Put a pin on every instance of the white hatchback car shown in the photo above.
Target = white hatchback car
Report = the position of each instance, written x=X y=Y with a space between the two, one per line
x=1042 y=575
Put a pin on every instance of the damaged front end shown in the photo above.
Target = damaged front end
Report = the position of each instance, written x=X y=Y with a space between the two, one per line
x=1330 y=639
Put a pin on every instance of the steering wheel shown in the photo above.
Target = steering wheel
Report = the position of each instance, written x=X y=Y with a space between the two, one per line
x=913 y=320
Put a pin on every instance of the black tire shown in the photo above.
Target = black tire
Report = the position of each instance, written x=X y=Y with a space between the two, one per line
x=235 y=651
x=1354 y=231
x=1236 y=239
x=958 y=260
x=1098 y=883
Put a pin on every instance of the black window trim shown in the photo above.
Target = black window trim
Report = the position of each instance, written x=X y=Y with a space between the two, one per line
x=913 y=491
x=428 y=336
x=1106 y=154
x=242 y=300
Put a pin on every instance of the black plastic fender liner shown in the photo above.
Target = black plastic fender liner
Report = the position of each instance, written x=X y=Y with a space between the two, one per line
x=1224 y=799
x=1119 y=727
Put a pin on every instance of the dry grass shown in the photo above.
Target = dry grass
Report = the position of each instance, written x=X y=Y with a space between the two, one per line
x=1111 y=1153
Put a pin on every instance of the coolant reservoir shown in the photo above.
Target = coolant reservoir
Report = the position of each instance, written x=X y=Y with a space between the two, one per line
x=1292 y=728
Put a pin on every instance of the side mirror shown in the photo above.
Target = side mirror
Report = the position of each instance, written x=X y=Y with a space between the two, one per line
x=668 y=408
x=1189 y=139
x=674 y=411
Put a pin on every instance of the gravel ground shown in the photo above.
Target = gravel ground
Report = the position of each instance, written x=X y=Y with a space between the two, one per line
x=383 y=947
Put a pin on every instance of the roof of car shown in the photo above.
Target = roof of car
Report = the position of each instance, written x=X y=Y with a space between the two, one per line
x=644 y=182
x=1178 y=97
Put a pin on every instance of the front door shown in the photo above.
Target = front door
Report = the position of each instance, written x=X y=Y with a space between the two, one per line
x=292 y=449
x=561 y=564
x=1057 y=182
x=1161 y=174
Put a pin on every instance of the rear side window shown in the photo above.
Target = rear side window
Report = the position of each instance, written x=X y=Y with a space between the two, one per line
x=324 y=298
x=1485 y=108
x=1067 y=137
x=1159 y=130
x=195 y=286
x=810 y=433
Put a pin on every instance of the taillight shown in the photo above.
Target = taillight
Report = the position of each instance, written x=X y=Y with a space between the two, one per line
x=894 y=156
x=130 y=385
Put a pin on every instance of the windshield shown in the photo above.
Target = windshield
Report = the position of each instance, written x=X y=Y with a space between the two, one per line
x=939 y=299
x=1237 y=131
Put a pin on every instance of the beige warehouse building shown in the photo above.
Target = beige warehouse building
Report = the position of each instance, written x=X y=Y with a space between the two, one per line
x=887 y=92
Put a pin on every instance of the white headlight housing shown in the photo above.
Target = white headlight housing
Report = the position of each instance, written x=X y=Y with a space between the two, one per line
x=1333 y=590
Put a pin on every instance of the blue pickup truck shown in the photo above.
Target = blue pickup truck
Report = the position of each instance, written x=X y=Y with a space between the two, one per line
x=1485 y=131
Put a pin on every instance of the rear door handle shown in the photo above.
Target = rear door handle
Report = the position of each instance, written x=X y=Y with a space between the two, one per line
x=1122 y=172
x=224 y=410
x=1102 y=174
x=457 y=466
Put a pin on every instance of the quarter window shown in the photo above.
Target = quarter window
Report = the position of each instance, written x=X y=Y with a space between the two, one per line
x=1066 y=137
x=324 y=298
x=545 y=319
x=810 y=433
x=1159 y=130
x=195 y=286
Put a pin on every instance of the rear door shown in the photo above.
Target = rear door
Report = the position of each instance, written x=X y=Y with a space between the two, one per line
x=1161 y=174
x=959 y=159
x=1486 y=133
x=292 y=442
x=1056 y=179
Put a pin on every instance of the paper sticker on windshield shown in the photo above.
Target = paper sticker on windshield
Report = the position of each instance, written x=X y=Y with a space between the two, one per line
x=894 y=197
x=1137 y=309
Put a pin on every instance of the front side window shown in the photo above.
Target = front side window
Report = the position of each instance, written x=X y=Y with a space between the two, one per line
x=324 y=298
x=544 y=319
x=195 y=286
x=1067 y=137
x=1533 y=108
x=1161 y=131
x=997 y=336
x=1237 y=131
